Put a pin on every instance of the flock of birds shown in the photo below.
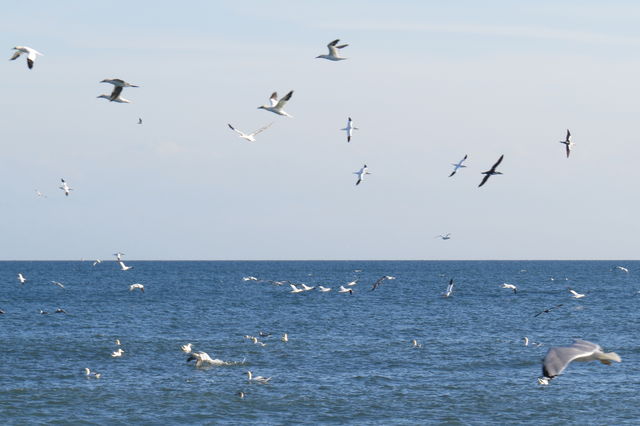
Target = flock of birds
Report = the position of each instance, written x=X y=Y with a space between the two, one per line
x=556 y=359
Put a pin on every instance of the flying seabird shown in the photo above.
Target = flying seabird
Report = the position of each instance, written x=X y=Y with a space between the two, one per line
x=31 y=54
x=65 y=187
x=258 y=379
x=361 y=173
x=115 y=96
x=306 y=287
x=334 y=51
x=277 y=105
x=21 y=278
x=118 y=82
x=349 y=129
x=118 y=353
x=59 y=284
x=575 y=294
x=249 y=136
x=96 y=262
x=343 y=289
x=444 y=236
x=186 y=348
x=380 y=280
x=324 y=289
x=622 y=268
x=491 y=171
x=295 y=289
x=135 y=286
x=546 y=311
x=449 y=290
x=118 y=255
x=249 y=278
x=567 y=142
x=458 y=165
x=124 y=267
x=511 y=286
x=559 y=357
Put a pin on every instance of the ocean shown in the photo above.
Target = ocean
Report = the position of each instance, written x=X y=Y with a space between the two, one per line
x=349 y=358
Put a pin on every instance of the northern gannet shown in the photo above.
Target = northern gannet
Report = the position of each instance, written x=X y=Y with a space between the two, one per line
x=491 y=171
x=361 y=173
x=21 y=278
x=65 y=187
x=258 y=379
x=115 y=96
x=575 y=294
x=118 y=353
x=458 y=165
x=381 y=280
x=343 y=289
x=124 y=267
x=510 y=286
x=118 y=82
x=559 y=357
x=546 y=311
x=567 y=142
x=416 y=344
x=249 y=136
x=59 y=284
x=96 y=262
x=306 y=287
x=444 y=236
x=31 y=54
x=622 y=268
x=449 y=290
x=277 y=105
x=334 y=51
x=186 y=348
x=136 y=286
x=349 y=129
x=118 y=255
x=285 y=337
x=249 y=278
x=352 y=283
x=295 y=289
x=324 y=289
x=91 y=374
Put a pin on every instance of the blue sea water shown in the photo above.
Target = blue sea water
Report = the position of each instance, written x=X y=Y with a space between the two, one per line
x=348 y=359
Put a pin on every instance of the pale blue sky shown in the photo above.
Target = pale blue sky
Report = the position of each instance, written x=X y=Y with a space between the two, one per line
x=427 y=82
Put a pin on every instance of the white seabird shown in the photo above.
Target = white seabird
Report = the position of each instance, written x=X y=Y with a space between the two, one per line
x=136 y=286
x=249 y=278
x=526 y=340
x=575 y=294
x=31 y=54
x=65 y=187
x=277 y=105
x=306 y=287
x=118 y=255
x=559 y=357
x=258 y=379
x=118 y=82
x=117 y=342
x=567 y=142
x=622 y=268
x=124 y=267
x=458 y=165
x=510 y=286
x=361 y=173
x=416 y=344
x=91 y=374
x=96 y=262
x=40 y=194
x=295 y=289
x=324 y=289
x=349 y=129
x=334 y=51
x=249 y=136
x=449 y=290
x=186 y=348
x=115 y=96
x=21 y=278
x=59 y=284
x=118 y=353
x=343 y=289
x=285 y=337
x=203 y=359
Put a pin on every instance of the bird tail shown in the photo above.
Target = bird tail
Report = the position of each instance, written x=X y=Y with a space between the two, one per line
x=607 y=357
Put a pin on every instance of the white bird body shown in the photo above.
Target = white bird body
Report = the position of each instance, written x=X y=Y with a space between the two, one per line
x=334 y=51
x=295 y=289
x=510 y=286
x=124 y=267
x=136 y=286
x=306 y=287
x=349 y=129
x=361 y=173
x=352 y=283
x=96 y=262
x=449 y=290
x=343 y=289
x=324 y=289
x=622 y=268
x=91 y=374
x=117 y=342
x=186 y=348
x=118 y=255
x=258 y=379
x=21 y=278
x=249 y=278
x=249 y=136
x=576 y=295
x=416 y=344
x=118 y=353
x=59 y=284
x=32 y=54
x=65 y=187
x=276 y=105
x=285 y=337
x=203 y=359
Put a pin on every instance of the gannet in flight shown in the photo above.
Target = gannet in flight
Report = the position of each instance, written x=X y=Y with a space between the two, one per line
x=115 y=96
x=31 y=54
x=458 y=165
x=277 y=105
x=546 y=311
x=415 y=344
x=511 y=286
x=343 y=289
x=96 y=262
x=295 y=289
x=361 y=173
x=21 y=278
x=380 y=280
x=334 y=51
x=118 y=353
x=306 y=287
x=186 y=348
x=59 y=284
x=258 y=379
x=90 y=374
x=622 y=268
x=352 y=283
x=118 y=255
x=136 y=286
x=139 y=120
x=575 y=294
x=249 y=136
x=444 y=236
x=567 y=142
x=249 y=278
x=491 y=171
x=65 y=187
x=559 y=357
x=124 y=267
x=349 y=129
x=118 y=82
x=449 y=290
x=324 y=289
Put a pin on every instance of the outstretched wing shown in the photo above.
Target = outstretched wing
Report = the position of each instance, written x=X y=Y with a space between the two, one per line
x=116 y=92
x=284 y=100
x=484 y=180
x=498 y=162
x=262 y=129
x=16 y=55
x=274 y=99
x=234 y=129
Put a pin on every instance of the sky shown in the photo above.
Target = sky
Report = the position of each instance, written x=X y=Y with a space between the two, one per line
x=426 y=82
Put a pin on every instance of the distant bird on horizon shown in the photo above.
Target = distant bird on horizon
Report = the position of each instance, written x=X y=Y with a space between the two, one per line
x=546 y=311
x=334 y=51
x=510 y=286
x=491 y=171
x=559 y=357
x=622 y=268
x=249 y=136
x=277 y=106
x=381 y=280
x=21 y=278
x=349 y=129
x=118 y=255
x=31 y=54
x=449 y=290
x=445 y=237
x=458 y=165
x=97 y=261
x=136 y=286
x=139 y=120
x=361 y=173
x=567 y=142
x=65 y=187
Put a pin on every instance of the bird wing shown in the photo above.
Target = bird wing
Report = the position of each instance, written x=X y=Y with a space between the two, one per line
x=453 y=172
x=498 y=162
x=464 y=158
x=568 y=149
x=16 y=55
x=32 y=54
x=568 y=135
x=484 y=179
x=116 y=92
x=234 y=129
x=558 y=358
x=262 y=129
x=575 y=293
x=274 y=99
x=284 y=100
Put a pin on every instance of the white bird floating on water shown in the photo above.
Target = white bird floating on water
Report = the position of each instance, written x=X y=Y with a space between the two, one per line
x=136 y=286
x=575 y=294
x=203 y=359
x=334 y=51
x=65 y=187
x=249 y=136
x=117 y=342
x=118 y=353
x=349 y=129
x=361 y=173
x=510 y=286
x=91 y=374
x=277 y=105
x=416 y=344
x=31 y=54
x=324 y=289
x=458 y=165
x=258 y=379
x=186 y=348
x=285 y=337
x=449 y=290
x=21 y=278
x=559 y=357
x=124 y=267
